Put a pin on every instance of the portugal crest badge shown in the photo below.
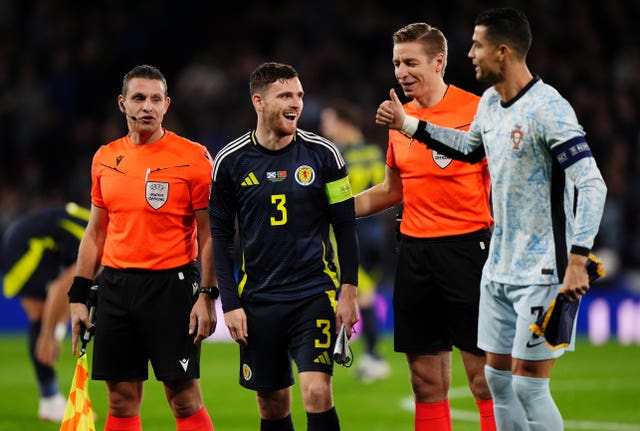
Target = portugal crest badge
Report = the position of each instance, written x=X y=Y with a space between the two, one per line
x=516 y=137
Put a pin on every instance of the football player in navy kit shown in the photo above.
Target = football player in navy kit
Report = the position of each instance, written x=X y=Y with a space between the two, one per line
x=285 y=187
x=37 y=262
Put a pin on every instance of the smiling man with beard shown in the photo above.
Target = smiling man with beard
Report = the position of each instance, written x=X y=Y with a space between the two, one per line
x=286 y=187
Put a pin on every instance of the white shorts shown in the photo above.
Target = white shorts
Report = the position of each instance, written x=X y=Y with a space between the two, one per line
x=507 y=311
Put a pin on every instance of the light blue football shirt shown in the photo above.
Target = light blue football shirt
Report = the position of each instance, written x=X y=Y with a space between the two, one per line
x=547 y=192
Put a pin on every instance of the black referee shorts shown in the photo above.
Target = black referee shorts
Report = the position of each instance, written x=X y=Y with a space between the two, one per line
x=437 y=292
x=143 y=316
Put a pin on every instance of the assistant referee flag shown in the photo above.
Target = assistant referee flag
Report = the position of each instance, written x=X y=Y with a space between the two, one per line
x=79 y=415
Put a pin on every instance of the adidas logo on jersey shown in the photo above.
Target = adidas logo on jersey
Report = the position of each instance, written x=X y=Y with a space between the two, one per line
x=250 y=180
x=324 y=358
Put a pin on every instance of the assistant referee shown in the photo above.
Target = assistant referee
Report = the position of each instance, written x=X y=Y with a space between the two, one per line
x=150 y=192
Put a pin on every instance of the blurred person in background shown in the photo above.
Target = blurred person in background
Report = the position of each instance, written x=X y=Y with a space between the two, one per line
x=340 y=122
x=37 y=262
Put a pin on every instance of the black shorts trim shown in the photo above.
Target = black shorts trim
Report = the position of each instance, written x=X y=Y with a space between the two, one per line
x=481 y=233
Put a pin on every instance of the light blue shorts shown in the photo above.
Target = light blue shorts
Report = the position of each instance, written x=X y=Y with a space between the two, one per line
x=507 y=311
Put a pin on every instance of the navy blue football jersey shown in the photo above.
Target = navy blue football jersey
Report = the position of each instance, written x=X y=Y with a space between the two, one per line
x=38 y=245
x=282 y=200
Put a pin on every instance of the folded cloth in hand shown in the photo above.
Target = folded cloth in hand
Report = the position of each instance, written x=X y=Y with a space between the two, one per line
x=342 y=354
x=556 y=324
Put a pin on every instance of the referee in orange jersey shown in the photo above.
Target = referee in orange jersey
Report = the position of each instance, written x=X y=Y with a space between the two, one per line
x=445 y=233
x=150 y=193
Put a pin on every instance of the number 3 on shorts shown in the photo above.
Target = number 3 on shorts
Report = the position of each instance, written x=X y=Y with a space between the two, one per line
x=325 y=324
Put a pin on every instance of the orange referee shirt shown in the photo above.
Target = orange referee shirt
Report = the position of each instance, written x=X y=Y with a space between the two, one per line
x=151 y=193
x=442 y=197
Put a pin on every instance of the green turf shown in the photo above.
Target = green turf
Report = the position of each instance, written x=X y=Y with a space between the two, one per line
x=596 y=388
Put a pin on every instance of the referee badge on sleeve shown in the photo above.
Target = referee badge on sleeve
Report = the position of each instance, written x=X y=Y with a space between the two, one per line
x=156 y=193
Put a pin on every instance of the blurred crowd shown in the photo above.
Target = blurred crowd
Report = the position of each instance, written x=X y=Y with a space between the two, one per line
x=62 y=62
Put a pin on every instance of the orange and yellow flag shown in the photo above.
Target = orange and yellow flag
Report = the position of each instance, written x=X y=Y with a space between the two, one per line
x=79 y=415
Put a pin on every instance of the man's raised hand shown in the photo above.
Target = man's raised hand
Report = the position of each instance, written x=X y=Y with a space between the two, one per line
x=390 y=113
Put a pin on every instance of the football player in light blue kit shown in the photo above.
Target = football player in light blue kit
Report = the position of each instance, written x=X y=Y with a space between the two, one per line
x=547 y=195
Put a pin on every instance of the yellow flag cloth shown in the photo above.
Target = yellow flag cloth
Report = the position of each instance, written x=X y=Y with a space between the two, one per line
x=79 y=415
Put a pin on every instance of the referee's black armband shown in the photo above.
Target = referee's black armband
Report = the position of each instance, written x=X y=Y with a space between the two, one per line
x=79 y=290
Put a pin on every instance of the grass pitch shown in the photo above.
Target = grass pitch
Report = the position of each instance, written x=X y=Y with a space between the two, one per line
x=595 y=387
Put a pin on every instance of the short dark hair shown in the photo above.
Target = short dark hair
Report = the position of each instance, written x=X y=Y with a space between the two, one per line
x=431 y=38
x=144 y=71
x=268 y=73
x=507 y=26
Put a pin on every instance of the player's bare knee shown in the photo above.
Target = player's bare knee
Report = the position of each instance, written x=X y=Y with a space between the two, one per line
x=274 y=405
x=429 y=388
x=125 y=398
x=479 y=387
x=123 y=406
x=316 y=397
x=184 y=397
x=185 y=406
x=272 y=411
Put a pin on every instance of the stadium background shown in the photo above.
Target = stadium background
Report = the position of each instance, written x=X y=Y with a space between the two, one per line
x=61 y=65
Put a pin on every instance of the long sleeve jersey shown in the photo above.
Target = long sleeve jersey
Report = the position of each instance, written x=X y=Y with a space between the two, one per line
x=547 y=192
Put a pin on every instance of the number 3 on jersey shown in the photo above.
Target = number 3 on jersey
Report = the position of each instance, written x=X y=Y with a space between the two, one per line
x=281 y=217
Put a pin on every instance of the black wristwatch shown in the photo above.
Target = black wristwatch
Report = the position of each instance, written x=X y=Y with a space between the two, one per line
x=212 y=291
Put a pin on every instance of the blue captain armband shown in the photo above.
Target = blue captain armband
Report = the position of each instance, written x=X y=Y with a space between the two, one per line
x=571 y=151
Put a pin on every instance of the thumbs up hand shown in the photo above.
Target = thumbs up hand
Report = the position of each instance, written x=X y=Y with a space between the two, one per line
x=390 y=113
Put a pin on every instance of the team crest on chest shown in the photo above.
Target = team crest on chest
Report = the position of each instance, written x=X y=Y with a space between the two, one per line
x=440 y=159
x=305 y=175
x=516 y=137
x=156 y=193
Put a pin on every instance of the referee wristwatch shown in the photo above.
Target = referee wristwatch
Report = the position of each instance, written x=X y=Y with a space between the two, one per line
x=212 y=291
